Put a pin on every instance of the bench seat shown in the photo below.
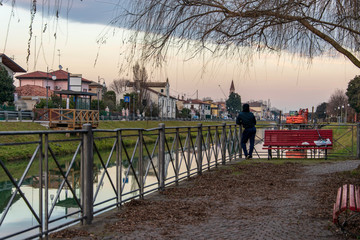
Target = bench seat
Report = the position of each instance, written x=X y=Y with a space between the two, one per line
x=297 y=140
x=348 y=197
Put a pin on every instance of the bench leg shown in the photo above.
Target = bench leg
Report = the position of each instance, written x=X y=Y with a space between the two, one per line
x=325 y=154
x=269 y=154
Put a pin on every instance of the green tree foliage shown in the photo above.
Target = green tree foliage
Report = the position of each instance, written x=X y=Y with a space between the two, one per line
x=320 y=112
x=110 y=100
x=94 y=105
x=185 y=113
x=7 y=87
x=129 y=105
x=152 y=110
x=233 y=104
x=353 y=93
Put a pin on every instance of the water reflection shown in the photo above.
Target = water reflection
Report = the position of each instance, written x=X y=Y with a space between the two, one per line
x=65 y=203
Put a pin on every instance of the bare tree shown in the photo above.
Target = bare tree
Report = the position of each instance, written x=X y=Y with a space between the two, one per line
x=140 y=86
x=305 y=27
x=119 y=85
x=337 y=103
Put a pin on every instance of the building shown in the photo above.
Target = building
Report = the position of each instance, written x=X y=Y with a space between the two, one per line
x=55 y=80
x=154 y=93
x=36 y=85
x=11 y=67
x=214 y=109
x=232 y=87
x=97 y=88
x=9 y=64
x=198 y=108
x=29 y=95
x=261 y=109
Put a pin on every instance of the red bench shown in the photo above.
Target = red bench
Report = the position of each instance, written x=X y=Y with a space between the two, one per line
x=348 y=197
x=298 y=140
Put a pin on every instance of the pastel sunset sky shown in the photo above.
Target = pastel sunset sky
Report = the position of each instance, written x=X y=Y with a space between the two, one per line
x=289 y=82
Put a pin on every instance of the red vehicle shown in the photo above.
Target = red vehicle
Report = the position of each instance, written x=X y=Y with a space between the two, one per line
x=298 y=117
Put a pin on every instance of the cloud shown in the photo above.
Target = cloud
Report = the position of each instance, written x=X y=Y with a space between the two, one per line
x=83 y=11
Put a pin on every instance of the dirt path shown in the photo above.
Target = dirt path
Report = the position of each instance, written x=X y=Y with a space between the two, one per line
x=238 y=201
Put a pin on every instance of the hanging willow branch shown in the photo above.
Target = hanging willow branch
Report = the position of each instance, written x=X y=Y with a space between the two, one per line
x=33 y=12
x=305 y=27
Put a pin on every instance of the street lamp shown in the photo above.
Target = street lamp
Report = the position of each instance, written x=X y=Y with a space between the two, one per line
x=47 y=85
x=98 y=93
x=134 y=114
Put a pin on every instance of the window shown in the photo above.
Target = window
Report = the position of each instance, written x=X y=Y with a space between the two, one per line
x=162 y=90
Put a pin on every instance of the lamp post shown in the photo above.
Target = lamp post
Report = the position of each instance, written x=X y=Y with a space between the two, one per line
x=47 y=85
x=138 y=92
x=98 y=93
x=151 y=109
x=346 y=113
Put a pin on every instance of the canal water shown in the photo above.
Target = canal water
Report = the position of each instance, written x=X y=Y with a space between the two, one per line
x=20 y=217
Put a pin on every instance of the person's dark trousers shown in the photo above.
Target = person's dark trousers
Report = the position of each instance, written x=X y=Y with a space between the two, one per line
x=249 y=133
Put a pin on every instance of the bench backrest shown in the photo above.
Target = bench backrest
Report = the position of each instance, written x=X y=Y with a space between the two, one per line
x=296 y=137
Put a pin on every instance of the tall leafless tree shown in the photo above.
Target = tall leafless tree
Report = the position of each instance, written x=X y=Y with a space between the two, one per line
x=337 y=103
x=140 y=85
x=305 y=27
x=119 y=85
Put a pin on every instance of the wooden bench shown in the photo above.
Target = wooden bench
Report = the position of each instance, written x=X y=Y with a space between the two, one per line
x=302 y=139
x=348 y=198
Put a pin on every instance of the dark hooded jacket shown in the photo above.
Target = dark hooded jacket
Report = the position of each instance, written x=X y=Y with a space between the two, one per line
x=246 y=118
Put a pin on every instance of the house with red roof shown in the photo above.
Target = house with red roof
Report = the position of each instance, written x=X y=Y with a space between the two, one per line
x=55 y=80
x=36 y=85
x=9 y=64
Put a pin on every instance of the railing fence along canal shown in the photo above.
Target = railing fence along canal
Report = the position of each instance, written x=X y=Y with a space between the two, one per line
x=71 y=179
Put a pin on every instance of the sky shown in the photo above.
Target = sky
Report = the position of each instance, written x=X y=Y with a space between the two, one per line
x=288 y=82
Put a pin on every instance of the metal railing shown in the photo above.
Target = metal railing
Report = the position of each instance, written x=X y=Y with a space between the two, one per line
x=130 y=162
x=16 y=115
x=66 y=180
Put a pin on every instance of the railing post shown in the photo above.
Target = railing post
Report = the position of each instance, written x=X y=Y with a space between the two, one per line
x=208 y=147
x=188 y=152
x=20 y=116
x=162 y=156
x=229 y=146
x=88 y=142
x=358 y=141
x=6 y=114
x=216 y=145
x=240 y=136
x=199 y=149
x=223 y=144
x=141 y=165
x=177 y=139
x=41 y=158
x=119 y=167
x=46 y=185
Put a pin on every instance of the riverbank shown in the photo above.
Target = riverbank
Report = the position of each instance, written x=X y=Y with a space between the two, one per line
x=246 y=200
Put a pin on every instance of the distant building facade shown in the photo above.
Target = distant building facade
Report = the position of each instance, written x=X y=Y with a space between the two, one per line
x=156 y=93
x=55 y=80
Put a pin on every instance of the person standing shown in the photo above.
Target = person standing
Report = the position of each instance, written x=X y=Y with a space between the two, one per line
x=248 y=121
